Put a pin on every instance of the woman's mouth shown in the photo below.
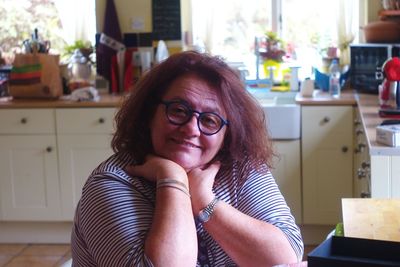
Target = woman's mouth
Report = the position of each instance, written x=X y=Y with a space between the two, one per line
x=185 y=143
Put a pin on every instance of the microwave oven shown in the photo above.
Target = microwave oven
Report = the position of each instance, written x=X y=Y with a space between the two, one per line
x=366 y=62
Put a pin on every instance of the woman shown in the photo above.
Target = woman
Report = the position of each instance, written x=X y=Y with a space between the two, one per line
x=190 y=182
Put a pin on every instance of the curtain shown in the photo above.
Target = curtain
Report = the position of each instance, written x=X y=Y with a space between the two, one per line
x=78 y=18
x=347 y=23
x=202 y=24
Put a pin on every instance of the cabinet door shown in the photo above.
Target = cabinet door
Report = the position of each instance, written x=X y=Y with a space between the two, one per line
x=79 y=155
x=287 y=174
x=29 y=178
x=327 y=161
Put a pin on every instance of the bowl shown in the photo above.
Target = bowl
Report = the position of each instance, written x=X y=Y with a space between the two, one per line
x=382 y=32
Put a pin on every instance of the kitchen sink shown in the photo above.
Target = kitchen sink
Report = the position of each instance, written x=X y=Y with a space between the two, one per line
x=282 y=113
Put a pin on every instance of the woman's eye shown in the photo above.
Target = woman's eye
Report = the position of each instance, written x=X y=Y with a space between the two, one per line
x=179 y=110
x=210 y=120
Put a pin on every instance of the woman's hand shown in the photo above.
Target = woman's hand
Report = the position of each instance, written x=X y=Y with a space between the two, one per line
x=201 y=181
x=155 y=168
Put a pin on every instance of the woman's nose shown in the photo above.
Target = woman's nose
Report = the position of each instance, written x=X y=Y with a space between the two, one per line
x=191 y=127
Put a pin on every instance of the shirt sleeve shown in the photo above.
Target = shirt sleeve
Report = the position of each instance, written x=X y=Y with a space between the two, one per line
x=260 y=198
x=115 y=217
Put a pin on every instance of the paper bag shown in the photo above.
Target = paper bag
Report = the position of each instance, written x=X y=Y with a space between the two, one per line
x=35 y=75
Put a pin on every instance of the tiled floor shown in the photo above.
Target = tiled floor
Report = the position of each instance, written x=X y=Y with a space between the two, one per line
x=23 y=255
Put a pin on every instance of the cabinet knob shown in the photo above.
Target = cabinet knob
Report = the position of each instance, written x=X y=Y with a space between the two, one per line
x=49 y=149
x=365 y=195
x=24 y=120
x=326 y=119
x=345 y=149
x=365 y=165
x=102 y=120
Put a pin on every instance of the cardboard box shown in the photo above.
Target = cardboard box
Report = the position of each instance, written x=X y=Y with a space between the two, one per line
x=388 y=134
x=354 y=252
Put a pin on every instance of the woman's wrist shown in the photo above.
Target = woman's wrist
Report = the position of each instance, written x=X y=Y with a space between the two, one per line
x=173 y=183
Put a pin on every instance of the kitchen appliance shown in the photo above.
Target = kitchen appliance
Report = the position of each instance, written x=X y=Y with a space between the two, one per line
x=366 y=65
x=389 y=90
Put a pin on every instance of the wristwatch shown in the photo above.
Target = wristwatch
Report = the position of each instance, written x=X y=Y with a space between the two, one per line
x=205 y=214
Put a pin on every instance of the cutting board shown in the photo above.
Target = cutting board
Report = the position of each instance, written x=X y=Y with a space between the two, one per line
x=371 y=218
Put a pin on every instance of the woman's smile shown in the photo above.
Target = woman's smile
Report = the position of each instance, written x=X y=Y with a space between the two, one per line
x=184 y=143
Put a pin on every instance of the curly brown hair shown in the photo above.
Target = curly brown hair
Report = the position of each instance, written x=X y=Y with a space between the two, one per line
x=246 y=137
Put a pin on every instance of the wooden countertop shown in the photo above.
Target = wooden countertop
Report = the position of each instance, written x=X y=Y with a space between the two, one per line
x=106 y=100
x=319 y=97
x=367 y=103
x=371 y=218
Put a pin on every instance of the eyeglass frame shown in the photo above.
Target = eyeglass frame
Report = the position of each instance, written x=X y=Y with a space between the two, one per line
x=191 y=113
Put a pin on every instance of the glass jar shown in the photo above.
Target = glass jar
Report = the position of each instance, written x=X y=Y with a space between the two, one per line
x=79 y=67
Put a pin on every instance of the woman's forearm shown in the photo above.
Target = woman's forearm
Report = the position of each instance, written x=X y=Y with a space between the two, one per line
x=248 y=241
x=172 y=239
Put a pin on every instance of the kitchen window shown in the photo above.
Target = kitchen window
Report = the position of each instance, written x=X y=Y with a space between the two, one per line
x=59 y=21
x=307 y=27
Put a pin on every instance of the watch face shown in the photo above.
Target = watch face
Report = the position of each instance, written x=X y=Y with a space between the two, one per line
x=203 y=216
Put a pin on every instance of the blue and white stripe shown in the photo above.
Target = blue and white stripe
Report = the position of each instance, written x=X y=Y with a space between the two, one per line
x=115 y=213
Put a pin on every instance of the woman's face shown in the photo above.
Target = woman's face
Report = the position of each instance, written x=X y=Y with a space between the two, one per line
x=185 y=144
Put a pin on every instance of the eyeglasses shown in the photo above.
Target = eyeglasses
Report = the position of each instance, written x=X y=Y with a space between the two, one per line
x=179 y=113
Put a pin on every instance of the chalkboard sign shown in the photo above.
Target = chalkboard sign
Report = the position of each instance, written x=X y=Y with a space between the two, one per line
x=166 y=20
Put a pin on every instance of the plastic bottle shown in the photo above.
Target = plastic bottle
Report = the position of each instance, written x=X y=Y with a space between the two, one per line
x=334 y=79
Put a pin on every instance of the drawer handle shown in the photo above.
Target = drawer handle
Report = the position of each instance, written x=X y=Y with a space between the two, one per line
x=365 y=165
x=365 y=195
x=49 y=149
x=360 y=148
x=345 y=149
x=326 y=119
x=24 y=120
x=102 y=120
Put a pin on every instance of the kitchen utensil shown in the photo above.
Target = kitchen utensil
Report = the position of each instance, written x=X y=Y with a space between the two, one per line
x=371 y=218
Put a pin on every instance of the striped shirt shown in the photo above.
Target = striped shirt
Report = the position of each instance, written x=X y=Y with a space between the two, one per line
x=115 y=213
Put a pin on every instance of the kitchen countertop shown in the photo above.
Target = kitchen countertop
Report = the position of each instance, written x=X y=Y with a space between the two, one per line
x=347 y=97
x=106 y=100
x=367 y=104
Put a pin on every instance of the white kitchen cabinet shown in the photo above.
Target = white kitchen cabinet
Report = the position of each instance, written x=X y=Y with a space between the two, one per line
x=287 y=173
x=29 y=181
x=83 y=143
x=46 y=156
x=327 y=162
x=385 y=176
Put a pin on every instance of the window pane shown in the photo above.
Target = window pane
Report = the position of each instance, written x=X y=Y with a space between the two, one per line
x=309 y=26
x=229 y=27
x=59 y=21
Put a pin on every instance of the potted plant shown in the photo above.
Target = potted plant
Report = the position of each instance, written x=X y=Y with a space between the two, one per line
x=272 y=55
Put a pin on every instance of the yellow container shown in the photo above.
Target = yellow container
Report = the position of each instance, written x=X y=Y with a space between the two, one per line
x=280 y=71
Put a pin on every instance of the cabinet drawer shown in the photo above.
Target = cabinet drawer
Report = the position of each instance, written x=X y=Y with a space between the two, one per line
x=27 y=121
x=327 y=124
x=85 y=120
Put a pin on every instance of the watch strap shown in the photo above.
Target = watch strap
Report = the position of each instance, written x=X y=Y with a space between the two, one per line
x=205 y=214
